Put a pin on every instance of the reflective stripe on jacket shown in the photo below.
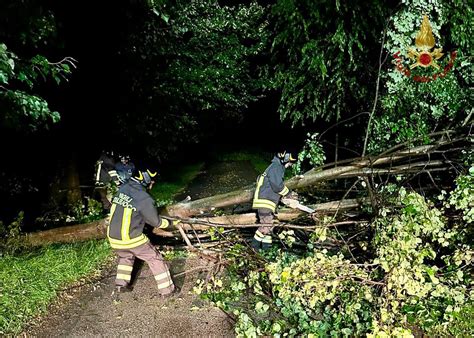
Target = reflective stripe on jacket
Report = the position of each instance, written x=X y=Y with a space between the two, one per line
x=270 y=187
x=132 y=207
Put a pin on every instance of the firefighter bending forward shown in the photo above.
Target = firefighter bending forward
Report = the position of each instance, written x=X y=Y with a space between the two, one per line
x=132 y=207
x=270 y=189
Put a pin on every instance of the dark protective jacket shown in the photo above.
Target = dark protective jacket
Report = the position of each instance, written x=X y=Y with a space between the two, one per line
x=132 y=207
x=270 y=186
x=105 y=171
x=124 y=171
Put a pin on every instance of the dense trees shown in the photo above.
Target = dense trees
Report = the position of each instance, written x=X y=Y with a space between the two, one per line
x=159 y=76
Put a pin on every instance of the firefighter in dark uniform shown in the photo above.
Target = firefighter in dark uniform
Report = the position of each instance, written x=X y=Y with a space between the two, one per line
x=270 y=189
x=106 y=178
x=132 y=207
x=124 y=168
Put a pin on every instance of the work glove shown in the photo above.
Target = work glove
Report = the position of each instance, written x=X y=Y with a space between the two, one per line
x=174 y=223
x=292 y=195
x=169 y=224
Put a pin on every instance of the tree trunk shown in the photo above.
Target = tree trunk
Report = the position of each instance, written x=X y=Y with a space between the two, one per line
x=97 y=229
x=355 y=167
x=310 y=178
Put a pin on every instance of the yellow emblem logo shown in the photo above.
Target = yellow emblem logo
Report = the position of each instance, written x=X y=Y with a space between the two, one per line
x=423 y=56
x=424 y=42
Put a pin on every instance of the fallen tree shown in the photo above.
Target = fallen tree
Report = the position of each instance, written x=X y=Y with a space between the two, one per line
x=97 y=229
x=426 y=158
x=365 y=166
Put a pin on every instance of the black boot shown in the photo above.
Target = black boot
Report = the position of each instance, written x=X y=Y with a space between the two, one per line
x=256 y=245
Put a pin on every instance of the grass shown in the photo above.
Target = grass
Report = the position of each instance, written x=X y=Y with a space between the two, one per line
x=260 y=161
x=29 y=282
x=171 y=184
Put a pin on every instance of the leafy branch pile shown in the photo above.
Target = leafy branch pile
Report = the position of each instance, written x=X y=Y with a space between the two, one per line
x=414 y=274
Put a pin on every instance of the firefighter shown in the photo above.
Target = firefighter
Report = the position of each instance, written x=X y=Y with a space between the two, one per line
x=270 y=189
x=106 y=178
x=124 y=169
x=132 y=207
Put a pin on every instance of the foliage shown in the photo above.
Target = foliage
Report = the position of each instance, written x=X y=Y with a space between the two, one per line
x=170 y=254
x=462 y=198
x=12 y=240
x=189 y=65
x=257 y=159
x=25 y=72
x=415 y=247
x=30 y=281
x=410 y=109
x=417 y=276
x=324 y=56
x=312 y=151
x=86 y=212
x=17 y=79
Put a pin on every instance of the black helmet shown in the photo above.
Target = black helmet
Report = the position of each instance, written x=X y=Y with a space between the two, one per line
x=144 y=177
x=124 y=158
x=286 y=157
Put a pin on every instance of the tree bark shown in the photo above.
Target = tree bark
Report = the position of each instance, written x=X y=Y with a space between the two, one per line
x=97 y=229
x=310 y=178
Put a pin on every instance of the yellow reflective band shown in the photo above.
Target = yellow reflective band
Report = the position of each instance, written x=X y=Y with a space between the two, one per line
x=284 y=191
x=126 y=219
x=262 y=238
x=113 y=173
x=264 y=201
x=124 y=277
x=165 y=284
x=162 y=276
x=257 y=189
x=124 y=267
x=133 y=243
x=164 y=223
x=264 y=205
x=151 y=174
x=261 y=206
x=97 y=176
x=140 y=178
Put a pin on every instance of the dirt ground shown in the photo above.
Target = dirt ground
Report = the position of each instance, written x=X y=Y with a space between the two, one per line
x=91 y=310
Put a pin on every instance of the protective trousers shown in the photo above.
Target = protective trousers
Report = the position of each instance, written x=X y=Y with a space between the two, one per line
x=105 y=197
x=149 y=254
x=263 y=236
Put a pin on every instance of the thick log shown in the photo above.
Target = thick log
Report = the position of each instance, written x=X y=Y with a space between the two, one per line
x=310 y=178
x=97 y=229
x=355 y=167
x=68 y=234
x=217 y=201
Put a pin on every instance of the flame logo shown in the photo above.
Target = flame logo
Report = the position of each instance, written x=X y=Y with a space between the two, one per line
x=424 y=42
